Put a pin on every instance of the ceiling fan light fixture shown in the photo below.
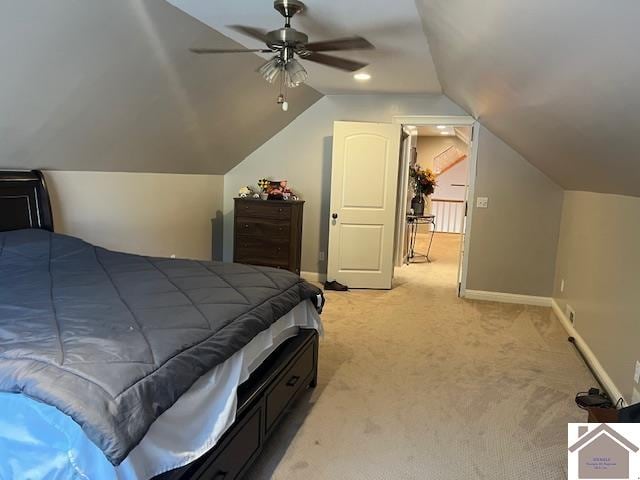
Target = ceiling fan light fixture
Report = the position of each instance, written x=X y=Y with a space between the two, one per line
x=295 y=73
x=271 y=69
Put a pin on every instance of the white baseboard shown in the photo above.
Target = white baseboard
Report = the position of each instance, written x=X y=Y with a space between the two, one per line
x=314 y=276
x=591 y=358
x=507 y=298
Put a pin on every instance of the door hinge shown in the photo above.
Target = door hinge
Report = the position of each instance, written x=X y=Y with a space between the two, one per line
x=466 y=208
x=459 y=288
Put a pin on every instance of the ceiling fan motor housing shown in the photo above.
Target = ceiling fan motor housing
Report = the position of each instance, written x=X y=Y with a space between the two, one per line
x=286 y=37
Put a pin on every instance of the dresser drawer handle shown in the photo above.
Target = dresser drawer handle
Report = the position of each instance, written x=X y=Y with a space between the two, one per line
x=292 y=381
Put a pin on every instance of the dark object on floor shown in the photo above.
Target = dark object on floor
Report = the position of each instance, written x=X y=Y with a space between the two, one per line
x=603 y=415
x=263 y=401
x=630 y=414
x=333 y=285
x=593 y=398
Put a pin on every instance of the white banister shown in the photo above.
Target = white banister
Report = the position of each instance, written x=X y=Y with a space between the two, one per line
x=449 y=215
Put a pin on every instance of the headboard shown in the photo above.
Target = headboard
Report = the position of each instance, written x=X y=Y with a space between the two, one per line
x=24 y=201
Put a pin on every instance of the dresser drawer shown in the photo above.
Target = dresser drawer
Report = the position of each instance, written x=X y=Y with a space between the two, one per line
x=259 y=251
x=264 y=209
x=259 y=227
x=297 y=376
x=244 y=444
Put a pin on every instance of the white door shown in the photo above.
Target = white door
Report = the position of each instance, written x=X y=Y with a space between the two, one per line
x=364 y=182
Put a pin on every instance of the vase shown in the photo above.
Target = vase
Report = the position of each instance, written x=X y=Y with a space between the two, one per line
x=417 y=205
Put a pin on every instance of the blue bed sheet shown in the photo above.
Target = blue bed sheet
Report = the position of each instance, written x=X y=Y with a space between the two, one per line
x=38 y=441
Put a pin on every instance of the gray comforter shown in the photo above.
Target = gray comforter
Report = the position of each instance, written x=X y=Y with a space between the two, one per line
x=113 y=339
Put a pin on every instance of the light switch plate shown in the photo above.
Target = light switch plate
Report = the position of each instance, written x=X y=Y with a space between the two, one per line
x=562 y=285
x=636 y=376
x=482 y=202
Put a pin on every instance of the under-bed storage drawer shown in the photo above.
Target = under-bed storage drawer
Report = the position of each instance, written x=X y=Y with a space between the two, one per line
x=297 y=376
x=237 y=450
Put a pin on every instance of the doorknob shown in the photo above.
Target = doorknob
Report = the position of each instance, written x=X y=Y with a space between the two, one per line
x=334 y=215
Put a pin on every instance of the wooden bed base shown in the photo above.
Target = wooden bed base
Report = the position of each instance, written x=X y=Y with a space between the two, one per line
x=262 y=403
x=262 y=400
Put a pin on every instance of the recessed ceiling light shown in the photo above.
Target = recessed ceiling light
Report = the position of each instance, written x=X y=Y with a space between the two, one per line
x=362 y=76
x=442 y=127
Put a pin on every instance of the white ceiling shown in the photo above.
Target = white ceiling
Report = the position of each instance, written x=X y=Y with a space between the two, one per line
x=434 y=131
x=401 y=62
x=557 y=80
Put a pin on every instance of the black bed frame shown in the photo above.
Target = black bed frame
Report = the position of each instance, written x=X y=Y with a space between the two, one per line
x=262 y=400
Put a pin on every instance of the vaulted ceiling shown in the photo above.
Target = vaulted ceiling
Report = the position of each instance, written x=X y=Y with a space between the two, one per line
x=111 y=85
x=557 y=80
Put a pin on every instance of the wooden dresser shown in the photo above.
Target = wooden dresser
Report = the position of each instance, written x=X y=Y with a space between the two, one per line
x=268 y=233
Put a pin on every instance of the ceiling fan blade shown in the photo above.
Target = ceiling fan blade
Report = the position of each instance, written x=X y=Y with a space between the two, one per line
x=349 y=43
x=335 y=62
x=228 y=50
x=253 y=32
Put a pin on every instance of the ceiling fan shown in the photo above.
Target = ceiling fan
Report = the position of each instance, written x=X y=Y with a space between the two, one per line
x=287 y=43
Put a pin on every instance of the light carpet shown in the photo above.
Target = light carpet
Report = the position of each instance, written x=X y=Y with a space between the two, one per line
x=416 y=383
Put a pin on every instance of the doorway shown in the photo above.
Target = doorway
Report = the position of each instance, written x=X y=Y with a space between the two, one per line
x=369 y=197
x=432 y=238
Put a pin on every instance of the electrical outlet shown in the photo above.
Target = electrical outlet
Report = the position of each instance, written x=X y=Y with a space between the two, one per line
x=482 y=202
x=321 y=256
x=562 y=285
x=571 y=314
x=636 y=376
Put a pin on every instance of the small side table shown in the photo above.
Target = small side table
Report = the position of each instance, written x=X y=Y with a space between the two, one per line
x=413 y=222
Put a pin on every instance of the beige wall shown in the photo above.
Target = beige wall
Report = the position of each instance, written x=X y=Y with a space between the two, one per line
x=301 y=153
x=429 y=147
x=144 y=213
x=513 y=242
x=599 y=260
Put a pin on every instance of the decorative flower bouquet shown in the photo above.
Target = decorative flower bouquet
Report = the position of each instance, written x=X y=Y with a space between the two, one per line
x=422 y=181
x=275 y=190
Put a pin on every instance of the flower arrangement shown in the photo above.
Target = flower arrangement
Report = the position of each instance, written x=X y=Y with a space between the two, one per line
x=422 y=181
x=275 y=190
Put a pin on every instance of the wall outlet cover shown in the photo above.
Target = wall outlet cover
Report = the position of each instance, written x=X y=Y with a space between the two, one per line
x=636 y=375
x=482 y=202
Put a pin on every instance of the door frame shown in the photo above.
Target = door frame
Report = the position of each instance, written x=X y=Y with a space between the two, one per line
x=456 y=121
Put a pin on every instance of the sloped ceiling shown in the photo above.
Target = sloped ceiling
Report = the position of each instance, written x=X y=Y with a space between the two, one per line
x=401 y=62
x=110 y=86
x=557 y=80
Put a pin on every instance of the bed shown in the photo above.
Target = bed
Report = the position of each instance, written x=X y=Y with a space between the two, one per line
x=122 y=366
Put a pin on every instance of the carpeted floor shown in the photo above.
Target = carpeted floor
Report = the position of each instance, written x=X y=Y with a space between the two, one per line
x=418 y=384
